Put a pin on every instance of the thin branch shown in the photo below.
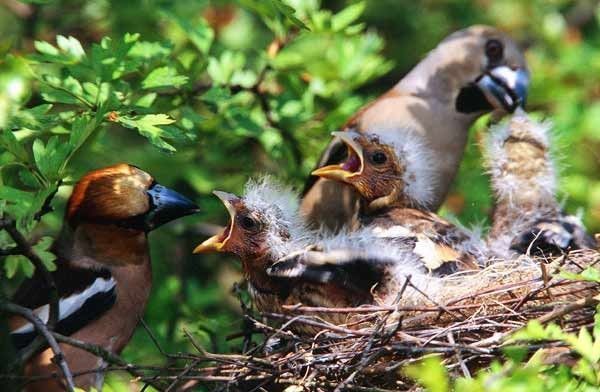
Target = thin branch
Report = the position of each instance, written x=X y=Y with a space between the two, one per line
x=47 y=206
x=43 y=330
x=106 y=355
x=10 y=251
x=27 y=250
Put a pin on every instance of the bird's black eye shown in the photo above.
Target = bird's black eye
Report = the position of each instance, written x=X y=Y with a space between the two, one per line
x=248 y=223
x=494 y=50
x=378 y=157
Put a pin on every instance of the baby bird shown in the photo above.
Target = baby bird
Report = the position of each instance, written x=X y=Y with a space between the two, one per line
x=264 y=226
x=266 y=232
x=103 y=274
x=393 y=175
x=471 y=72
x=527 y=217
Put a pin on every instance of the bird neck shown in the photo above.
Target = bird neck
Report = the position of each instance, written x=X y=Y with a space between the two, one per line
x=92 y=245
x=396 y=199
x=255 y=272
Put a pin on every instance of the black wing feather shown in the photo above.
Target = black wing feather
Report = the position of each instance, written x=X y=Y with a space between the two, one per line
x=69 y=280
x=91 y=309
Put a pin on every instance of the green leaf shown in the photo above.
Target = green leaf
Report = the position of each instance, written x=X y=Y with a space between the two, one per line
x=110 y=59
x=46 y=48
x=221 y=70
x=14 y=195
x=146 y=101
x=69 y=51
x=68 y=90
x=42 y=250
x=148 y=126
x=216 y=95
x=81 y=129
x=51 y=158
x=149 y=50
x=347 y=16
x=70 y=46
x=430 y=373
x=199 y=32
x=35 y=118
x=9 y=142
x=164 y=77
x=13 y=263
x=590 y=274
x=28 y=179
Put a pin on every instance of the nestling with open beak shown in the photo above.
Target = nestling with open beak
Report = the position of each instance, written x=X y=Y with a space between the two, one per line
x=103 y=274
x=395 y=180
x=265 y=226
x=527 y=217
x=471 y=72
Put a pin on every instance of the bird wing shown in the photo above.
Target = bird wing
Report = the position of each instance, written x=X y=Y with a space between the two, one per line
x=84 y=295
x=440 y=244
x=347 y=268
x=553 y=237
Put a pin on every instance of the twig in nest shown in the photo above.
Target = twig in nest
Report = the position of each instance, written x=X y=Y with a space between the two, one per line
x=560 y=312
x=459 y=357
x=440 y=306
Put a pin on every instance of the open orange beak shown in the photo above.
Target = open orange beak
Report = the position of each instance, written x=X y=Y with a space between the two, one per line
x=217 y=242
x=354 y=164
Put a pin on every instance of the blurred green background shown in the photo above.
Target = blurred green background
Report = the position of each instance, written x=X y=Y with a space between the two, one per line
x=261 y=95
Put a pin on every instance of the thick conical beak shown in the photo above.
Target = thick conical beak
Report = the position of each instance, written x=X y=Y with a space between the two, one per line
x=217 y=242
x=505 y=88
x=353 y=166
x=166 y=205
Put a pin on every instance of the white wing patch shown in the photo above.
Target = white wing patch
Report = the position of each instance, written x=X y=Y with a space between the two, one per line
x=69 y=305
x=392 y=232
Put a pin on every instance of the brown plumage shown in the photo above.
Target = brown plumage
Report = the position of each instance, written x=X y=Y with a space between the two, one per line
x=103 y=274
x=393 y=177
x=471 y=72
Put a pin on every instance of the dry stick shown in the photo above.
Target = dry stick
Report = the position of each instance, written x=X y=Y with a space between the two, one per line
x=313 y=323
x=153 y=338
x=102 y=369
x=366 y=360
x=461 y=361
x=43 y=330
x=441 y=307
x=579 y=304
x=185 y=371
x=105 y=355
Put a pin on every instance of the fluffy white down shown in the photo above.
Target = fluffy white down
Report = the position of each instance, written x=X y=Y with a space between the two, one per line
x=421 y=173
x=510 y=186
x=279 y=208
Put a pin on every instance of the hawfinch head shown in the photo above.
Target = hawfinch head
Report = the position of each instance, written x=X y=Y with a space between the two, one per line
x=397 y=170
x=125 y=196
x=480 y=67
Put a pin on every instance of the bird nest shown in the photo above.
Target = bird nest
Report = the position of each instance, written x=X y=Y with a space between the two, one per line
x=467 y=325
